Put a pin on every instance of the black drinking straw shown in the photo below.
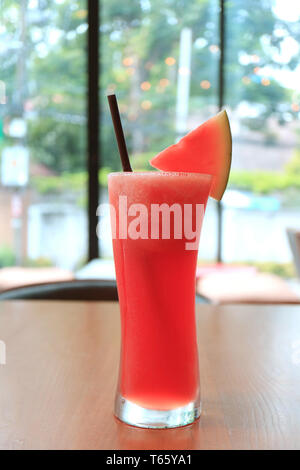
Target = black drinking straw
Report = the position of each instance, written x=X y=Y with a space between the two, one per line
x=115 y=115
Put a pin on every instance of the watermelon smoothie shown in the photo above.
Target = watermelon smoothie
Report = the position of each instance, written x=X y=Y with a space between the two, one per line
x=159 y=373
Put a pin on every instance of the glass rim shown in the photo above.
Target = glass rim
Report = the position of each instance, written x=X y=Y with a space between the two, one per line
x=159 y=173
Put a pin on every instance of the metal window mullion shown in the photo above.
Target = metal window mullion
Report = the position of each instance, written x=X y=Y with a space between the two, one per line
x=221 y=89
x=93 y=116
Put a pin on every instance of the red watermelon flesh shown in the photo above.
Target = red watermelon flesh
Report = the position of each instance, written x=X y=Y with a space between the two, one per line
x=206 y=149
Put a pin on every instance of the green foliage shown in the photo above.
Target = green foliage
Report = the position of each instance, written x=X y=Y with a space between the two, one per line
x=270 y=96
x=253 y=31
x=38 y=263
x=293 y=166
x=7 y=256
x=266 y=182
x=263 y=182
x=72 y=182
x=285 y=270
x=103 y=174
x=140 y=161
x=58 y=145
x=260 y=182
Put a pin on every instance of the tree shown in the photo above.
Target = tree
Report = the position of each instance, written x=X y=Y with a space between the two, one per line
x=139 y=61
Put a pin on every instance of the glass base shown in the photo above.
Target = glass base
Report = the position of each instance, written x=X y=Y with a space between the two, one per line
x=136 y=415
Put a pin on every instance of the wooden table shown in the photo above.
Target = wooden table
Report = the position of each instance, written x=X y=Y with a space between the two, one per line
x=57 y=387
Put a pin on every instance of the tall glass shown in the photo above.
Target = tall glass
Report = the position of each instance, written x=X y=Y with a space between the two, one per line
x=155 y=252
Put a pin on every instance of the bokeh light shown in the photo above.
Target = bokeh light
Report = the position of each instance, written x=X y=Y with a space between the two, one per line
x=214 y=48
x=164 y=82
x=146 y=105
x=170 y=61
x=145 y=86
x=81 y=14
x=295 y=107
x=205 y=84
x=127 y=61
x=130 y=71
x=246 y=80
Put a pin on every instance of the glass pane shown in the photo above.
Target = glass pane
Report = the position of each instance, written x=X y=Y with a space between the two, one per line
x=43 y=136
x=161 y=60
x=263 y=96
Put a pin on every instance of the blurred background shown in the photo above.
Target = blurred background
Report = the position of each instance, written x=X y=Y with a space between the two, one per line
x=172 y=64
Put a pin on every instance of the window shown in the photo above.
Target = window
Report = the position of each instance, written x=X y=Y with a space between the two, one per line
x=263 y=97
x=162 y=58
x=43 y=133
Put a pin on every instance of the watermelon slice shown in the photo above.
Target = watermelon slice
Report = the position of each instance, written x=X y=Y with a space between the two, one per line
x=207 y=149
